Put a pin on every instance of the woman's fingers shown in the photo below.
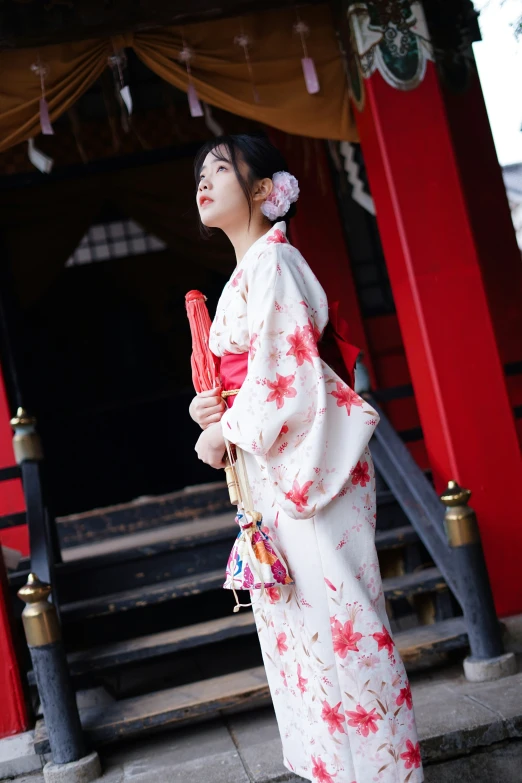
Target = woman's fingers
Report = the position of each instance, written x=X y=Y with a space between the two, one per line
x=208 y=402
x=208 y=420
x=211 y=404
x=207 y=408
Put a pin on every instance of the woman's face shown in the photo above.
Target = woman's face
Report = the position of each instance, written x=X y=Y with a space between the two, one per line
x=220 y=198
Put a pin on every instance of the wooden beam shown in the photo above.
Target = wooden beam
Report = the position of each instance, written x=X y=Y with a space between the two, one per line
x=32 y=23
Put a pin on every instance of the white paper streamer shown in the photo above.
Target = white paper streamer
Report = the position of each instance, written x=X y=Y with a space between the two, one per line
x=127 y=98
x=185 y=56
x=39 y=159
x=309 y=69
x=211 y=123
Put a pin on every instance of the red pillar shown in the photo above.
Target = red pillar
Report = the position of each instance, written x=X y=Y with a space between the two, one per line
x=451 y=285
x=13 y=712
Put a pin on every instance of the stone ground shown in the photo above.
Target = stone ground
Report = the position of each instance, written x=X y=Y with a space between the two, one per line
x=470 y=732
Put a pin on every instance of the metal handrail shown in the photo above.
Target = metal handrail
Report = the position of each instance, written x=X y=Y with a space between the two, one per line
x=413 y=492
x=450 y=533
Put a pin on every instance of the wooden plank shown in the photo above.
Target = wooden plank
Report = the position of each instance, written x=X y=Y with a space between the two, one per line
x=172 y=552
x=148 y=542
x=144 y=513
x=424 y=581
x=158 y=644
x=171 y=707
x=142 y=597
x=188 y=534
x=60 y=22
x=242 y=690
x=418 y=646
x=149 y=514
x=427 y=580
x=395 y=537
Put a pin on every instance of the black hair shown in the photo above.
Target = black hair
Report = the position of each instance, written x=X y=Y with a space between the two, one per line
x=257 y=151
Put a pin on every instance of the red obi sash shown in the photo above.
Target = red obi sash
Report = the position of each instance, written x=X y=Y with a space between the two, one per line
x=233 y=371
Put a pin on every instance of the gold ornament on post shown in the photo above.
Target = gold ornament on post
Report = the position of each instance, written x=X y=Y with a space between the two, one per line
x=39 y=616
x=26 y=442
x=460 y=521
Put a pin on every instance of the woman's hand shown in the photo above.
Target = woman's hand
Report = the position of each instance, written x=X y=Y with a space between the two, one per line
x=207 y=408
x=210 y=447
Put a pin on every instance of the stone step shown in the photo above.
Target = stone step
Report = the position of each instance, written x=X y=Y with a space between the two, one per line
x=241 y=690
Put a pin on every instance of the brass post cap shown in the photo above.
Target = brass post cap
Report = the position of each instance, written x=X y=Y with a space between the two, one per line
x=34 y=590
x=22 y=419
x=455 y=495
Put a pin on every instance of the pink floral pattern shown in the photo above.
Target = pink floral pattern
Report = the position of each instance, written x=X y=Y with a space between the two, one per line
x=302 y=345
x=299 y=495
x=346 y=397
x=340 y=691
x=281 y=388
x=277 y=237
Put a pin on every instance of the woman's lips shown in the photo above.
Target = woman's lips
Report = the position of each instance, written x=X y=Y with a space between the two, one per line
x=204 y=200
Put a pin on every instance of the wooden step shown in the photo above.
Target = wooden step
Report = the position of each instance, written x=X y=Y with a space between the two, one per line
x=181 y=535
x=172 y=707
x=423 y=581
x=395 y=537
x=173 y=552
x=426 y=580
x=157 y=511
x=144 y=513
x=138 y=598
x=184 y=535
x=156 y=645
x=424 y=645
x=217 y=696
x=170 y=552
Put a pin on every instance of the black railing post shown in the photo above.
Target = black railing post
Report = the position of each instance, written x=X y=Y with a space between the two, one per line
x=44 y=639
x=488 y=659
x=45 y=551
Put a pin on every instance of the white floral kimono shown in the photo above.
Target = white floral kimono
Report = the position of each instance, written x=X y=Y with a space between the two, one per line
x=340 y=692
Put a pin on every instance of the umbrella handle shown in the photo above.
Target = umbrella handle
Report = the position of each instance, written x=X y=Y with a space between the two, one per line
x=237 y=478
x=232 y=481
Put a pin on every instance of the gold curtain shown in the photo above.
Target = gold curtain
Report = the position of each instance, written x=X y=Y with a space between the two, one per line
x=220 y=73
x=72 y=69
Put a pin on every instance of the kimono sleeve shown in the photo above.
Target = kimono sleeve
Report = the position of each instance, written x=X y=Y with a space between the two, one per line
x=307 y=426
x=284 y=368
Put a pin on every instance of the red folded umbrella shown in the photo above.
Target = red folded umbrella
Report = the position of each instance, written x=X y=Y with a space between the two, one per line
x=205 y=375
x=205 y=366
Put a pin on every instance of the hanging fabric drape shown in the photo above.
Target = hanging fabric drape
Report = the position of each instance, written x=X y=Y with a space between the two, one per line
x=71 y=70
x=218 y=73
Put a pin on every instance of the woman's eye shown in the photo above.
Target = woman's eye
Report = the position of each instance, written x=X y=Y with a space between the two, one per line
x=222 y=168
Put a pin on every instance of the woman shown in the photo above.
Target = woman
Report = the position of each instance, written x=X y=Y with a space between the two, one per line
x=340 y=692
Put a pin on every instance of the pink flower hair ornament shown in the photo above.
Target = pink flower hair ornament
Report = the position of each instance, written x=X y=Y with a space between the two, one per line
x=284 y=193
